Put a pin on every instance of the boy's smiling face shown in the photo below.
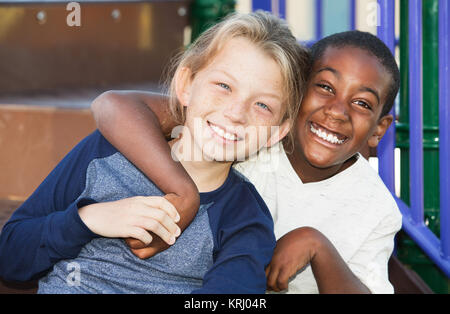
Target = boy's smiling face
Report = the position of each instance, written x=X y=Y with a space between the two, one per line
x=342 y=106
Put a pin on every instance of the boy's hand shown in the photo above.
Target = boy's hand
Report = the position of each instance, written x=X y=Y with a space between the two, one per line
x=133 y=217
x=293 y=251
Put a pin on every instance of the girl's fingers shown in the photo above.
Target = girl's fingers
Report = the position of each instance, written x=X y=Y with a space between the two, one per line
x=163 y=204
x=140 y=234
x=156 y=227
x=162 y=219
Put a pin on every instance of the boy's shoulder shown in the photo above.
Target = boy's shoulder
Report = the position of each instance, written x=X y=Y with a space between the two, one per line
x=363 y=183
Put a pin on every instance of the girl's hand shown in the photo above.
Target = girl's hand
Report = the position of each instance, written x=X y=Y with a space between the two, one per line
x=293 y=251
x=144 y=251
x=133 y=217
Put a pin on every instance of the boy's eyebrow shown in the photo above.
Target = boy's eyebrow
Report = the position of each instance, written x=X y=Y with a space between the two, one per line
x=362 y=89
x=370 y=90
x=334 y=71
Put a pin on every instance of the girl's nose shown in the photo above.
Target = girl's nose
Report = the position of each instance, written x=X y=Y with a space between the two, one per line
x=237 y=113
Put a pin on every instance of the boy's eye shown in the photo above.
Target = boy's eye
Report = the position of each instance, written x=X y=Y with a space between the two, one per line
x=263 y=106
x=225 y=86
x=363 y=104
x=325 y=87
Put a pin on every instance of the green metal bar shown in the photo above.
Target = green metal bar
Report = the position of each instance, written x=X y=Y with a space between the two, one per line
x=206 y=13
x=408 y=252
x=402 y=126
x=431 y=112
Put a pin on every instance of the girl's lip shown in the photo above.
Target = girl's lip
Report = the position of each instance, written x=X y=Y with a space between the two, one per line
x=232 y=136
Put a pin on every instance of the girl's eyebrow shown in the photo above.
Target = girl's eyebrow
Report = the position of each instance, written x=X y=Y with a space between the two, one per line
x=226 y=74
x=266 y=94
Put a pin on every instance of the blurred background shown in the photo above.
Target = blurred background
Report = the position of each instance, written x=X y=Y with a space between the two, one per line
x=57 y=56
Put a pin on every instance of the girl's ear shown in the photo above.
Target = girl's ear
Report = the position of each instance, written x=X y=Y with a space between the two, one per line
x=280 y=132
x=183 y=84
x=380 y=130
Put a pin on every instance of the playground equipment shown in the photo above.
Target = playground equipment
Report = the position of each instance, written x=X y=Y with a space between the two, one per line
x=421 y=130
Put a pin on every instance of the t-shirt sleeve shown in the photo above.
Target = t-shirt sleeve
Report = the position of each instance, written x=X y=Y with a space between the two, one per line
x=47 y=227
x=244 y=246
x=370 y=263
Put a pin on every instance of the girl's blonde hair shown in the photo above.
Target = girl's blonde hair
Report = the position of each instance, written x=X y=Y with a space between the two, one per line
x=266 y=31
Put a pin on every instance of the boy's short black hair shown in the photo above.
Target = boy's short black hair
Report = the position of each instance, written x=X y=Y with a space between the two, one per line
x=370 y=43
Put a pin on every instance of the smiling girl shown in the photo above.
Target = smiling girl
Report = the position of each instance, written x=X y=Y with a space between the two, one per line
x=93 y=198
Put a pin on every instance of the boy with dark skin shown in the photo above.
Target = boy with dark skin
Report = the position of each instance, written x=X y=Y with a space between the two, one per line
x=352 y=86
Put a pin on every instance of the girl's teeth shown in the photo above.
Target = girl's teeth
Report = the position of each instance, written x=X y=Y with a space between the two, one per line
x=325 y=136
x=223 y=134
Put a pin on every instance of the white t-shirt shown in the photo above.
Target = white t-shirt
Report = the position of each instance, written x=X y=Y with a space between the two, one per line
x=353 y=209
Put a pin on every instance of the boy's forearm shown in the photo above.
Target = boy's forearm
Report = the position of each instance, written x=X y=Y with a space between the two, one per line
x=331 y=272
x=130 y=121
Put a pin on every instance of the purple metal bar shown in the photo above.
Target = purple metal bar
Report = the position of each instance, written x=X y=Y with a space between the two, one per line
x=386 y=147
x=423 y=236
x=416 y=110
x=319 y=22
x=444 y=122
x=352 y=14
x=277 y=7
x=282 y=9
x=265 y=5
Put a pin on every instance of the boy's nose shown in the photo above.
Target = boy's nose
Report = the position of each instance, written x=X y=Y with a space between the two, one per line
x=237 y=113
x=337 y=110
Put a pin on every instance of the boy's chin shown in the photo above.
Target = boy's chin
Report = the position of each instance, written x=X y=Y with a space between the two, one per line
x=321 y=160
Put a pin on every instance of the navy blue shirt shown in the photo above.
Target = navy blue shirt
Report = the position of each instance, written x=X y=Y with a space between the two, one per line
x=224 y=250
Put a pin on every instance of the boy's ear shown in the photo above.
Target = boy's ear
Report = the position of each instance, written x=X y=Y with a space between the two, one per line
x=280 y=133
x=380 y=130
x=183 y=84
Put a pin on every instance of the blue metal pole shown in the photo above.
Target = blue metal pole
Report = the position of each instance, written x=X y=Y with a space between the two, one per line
x=386 y=32
x=444 y=122
x=423 y=236
x=352 y=14
x=282 y=9
x=265 y=5
x=319 y=24
x=277 y=7
x=416 y=110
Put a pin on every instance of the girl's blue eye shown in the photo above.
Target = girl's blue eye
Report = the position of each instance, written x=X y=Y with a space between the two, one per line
x=225 y=86
x=263 y=106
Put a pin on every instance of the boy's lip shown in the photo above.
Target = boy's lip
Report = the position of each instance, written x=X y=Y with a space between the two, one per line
x=327 y=134
x=225 y=133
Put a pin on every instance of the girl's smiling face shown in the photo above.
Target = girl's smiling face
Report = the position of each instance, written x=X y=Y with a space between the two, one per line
x=238 y=95
x=341 y=109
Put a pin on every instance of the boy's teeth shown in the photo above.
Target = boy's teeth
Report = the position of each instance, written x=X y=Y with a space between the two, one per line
x=223 y=134
x=326 y=136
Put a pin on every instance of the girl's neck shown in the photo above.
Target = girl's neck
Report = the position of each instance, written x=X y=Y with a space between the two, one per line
x=207 y=175
x=309 y=173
